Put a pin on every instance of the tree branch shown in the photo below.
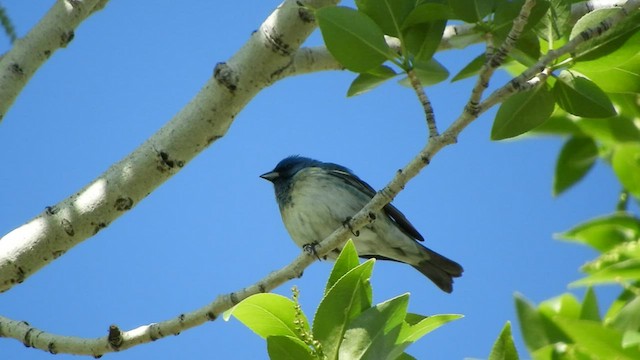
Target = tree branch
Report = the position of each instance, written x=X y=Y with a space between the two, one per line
x=117 y=339
x=425 y=102
x=54 y=31
x=204 y=120
x=496 y=57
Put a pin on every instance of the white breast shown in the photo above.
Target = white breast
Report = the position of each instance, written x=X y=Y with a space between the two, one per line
x=318 y=206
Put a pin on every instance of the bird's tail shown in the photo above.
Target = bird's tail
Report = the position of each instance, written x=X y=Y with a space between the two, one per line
x=439 y=269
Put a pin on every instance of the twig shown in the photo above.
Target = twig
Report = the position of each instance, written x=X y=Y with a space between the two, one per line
x=497 y=57
x=424 y=100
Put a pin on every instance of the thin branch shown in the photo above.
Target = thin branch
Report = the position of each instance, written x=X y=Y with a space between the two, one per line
x=424 y=101
x=498 y=56
x=118 y=340
x=54 y=31
x=7 y=25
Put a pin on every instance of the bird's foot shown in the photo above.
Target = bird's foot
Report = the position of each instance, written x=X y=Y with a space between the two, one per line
x=347 y=223
x=310 y=249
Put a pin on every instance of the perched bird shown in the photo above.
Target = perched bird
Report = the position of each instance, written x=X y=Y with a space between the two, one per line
x=315 y=198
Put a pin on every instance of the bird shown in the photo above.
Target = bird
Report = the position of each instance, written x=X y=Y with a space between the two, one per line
x=315 y=198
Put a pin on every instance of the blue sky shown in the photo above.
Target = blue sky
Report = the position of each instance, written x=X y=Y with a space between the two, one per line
x=215 y=228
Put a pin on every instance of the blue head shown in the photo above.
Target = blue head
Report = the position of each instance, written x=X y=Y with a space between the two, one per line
x=282 y=175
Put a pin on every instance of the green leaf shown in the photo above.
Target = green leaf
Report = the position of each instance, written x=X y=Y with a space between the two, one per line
x=388 y=14
x=417 y=326
x=555 y=23
x=347 y=260
x=286 y=347
x=471 y=11
x=531 y=324
x=560 y=123
x=610 y=131
x=616 y=255
x=471 y=68
x=612 y=48
x=577 y=157
x=429 y=73
x=422 y=40
x=561 y=351
x=619 y=303
x=590 y=310
x=370 y=80
x=565 y=305
x=621 y=78
x=267 y=315
x=581 y=97
x=504 y=348
x=522 y=112
x=373 y=334
x=626 y=165
x=527 y=49
x=405 y=356
x=348 y=297
x=601 y=342
x=604 y=233
x=353 y=38
x=630 y=338
x=628 y=318
x=616 y=273
x=427 y=12
x=507 y=11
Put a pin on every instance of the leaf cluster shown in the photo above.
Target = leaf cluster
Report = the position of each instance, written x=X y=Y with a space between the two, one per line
x=565 y=328
x=590 y=83
x=346 y=325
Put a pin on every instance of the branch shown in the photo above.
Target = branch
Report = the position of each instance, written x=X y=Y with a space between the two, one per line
x=498 y=56
x=117 y=339
x=54 y=31
x=424 y=101
x=204 y=120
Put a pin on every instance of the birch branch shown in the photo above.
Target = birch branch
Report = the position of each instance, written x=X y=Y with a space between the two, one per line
x=54 y=31
x=117 y=339
x=204 y=120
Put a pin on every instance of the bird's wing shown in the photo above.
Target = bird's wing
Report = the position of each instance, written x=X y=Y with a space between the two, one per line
x=396 y=215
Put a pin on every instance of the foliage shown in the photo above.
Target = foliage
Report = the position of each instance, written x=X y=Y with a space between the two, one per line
x=346 y=324
x=590 y=96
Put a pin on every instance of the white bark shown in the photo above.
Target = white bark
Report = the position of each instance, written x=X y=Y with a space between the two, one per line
x=54 y=31
x=205 y=119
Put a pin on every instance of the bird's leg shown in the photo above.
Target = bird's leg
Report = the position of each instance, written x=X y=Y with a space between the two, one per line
x=310 y=248
x=347 y=223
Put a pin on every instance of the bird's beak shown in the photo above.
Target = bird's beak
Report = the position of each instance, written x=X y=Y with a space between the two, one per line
x=270 y=176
